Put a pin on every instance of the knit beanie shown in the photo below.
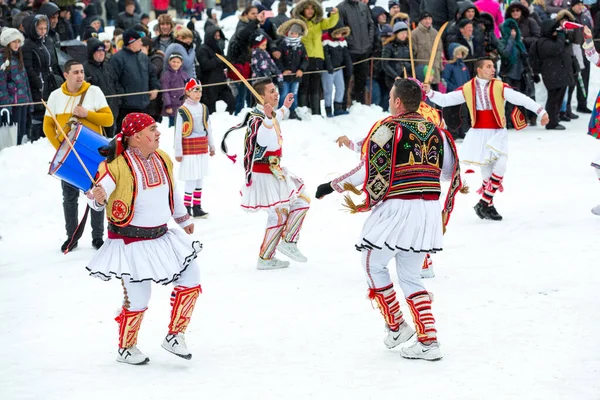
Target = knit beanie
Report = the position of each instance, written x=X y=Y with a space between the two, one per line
x=400 y=26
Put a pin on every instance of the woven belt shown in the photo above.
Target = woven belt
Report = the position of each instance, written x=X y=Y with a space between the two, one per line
x=138 y=232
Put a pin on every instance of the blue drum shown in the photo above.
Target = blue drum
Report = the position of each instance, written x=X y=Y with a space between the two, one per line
x=67 y=167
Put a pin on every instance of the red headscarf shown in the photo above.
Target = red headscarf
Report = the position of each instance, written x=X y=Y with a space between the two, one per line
x=132 y=124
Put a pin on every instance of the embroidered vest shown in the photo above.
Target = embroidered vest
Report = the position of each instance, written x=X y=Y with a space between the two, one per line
x=404 y=156
x=496 y=92
x=121 y=203
x=187 y=125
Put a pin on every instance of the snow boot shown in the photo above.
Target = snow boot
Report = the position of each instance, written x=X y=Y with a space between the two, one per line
x=421 y=351
x=272 y=263
x=293 y=115
x=175 y=343
x=402 y=335
x=199 y=212
x=338 y=109
x=132 y=355
x=291 y=250
x=493 y=214
x=189 y=210
x=328 y=112
x=481 y=209
x=97 y=243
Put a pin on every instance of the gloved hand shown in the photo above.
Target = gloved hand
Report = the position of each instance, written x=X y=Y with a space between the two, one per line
x=323 y=190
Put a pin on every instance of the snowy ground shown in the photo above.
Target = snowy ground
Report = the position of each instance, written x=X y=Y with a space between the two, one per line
x=516 y=302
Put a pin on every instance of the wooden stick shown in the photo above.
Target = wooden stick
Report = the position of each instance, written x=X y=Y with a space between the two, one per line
x=436 y=44
x=412 y=57
x=258 y=97
x=69 y=142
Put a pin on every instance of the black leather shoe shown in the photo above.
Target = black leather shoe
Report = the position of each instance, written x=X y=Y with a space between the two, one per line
x=493 y=214
x=97 y=243
x=584 y=110
x=557 y=127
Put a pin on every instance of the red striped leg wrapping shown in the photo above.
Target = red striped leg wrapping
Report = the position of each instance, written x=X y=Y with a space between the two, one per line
x=294 y=224
x=129 y=326
x=388 y=306
x=495 y=184
x=183 y=300
x=420 y=308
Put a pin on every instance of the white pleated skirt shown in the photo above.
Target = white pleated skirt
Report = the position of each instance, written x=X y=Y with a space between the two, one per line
x=483 y=146
x=193 y=167
x=266 y=191
x=407 y=225
x=160 y=260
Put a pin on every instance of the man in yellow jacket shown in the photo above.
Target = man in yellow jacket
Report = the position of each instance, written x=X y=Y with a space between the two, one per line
x=76 y=101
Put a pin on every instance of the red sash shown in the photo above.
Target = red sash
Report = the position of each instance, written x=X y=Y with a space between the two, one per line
x=485 y=120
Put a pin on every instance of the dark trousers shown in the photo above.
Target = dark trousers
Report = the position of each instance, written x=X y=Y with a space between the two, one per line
x=36 y=127
x=70 y=209
x=215 y=93
x=571 y=90
x=585 y=76
x=555 y=99
x=19 y=117
x=309 y=92
x=360 y=73
x=122 y=114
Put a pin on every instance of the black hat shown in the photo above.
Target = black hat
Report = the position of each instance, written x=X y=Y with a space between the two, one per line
x=144 y=15
x=464 y=22
x=575 y=2
x=424 y=15
x=130 y=36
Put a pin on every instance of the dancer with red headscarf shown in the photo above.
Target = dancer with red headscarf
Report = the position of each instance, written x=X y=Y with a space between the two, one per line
x=135 y=184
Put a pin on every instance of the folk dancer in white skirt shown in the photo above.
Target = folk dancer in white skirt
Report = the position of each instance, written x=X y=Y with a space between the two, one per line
x=486 y=143
x=403 y=159
x=193 y=144
x=268 y=186
x=136 y=186
x=594 y=124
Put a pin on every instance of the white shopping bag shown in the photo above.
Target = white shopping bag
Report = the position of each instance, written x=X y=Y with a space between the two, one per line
x=8 y=131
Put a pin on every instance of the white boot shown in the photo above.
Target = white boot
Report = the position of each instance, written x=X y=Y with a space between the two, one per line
x=176 y=344
x=291 y=250
x=417 y=350
x=596 y=210
x=273 y=263
x=132 y=356
x=402 y=335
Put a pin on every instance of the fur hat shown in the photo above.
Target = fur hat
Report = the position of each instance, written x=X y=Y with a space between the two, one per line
x=10 y=35
x=287 y=26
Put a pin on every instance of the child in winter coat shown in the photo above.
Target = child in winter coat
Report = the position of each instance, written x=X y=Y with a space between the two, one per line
x=262 y=64
x=456 y=74
x=397 y=47
x=14 y=84
x=293 y=61
x=337 y=55
x=194 y=143
x=174 y=77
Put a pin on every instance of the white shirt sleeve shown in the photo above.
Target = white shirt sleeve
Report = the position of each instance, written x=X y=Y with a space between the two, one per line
x=209 y=133
x=109 y=186
x=180 y=214
x=519 y=99
x=591 y=54
x=446 y=99
x=355 y=177
x=267 y=135
x=448 y=162
x=177 y=143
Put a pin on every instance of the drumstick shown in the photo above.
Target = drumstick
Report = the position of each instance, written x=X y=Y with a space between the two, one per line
x=69 y=142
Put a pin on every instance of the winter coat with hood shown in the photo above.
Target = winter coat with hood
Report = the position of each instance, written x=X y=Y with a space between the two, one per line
x=493 y=8
x=492 y=46
x=316 y=25
x=514 y=56
x=395 y=68
x=453 y=32
x=127 y=21
x=530 y=30
x=423 y=39
x=556 y=59
x=92 y=12
x=38 y=61
x=456 y=73
x=440 y=10
x=336 y=50
x=357 y=16
x=112 y=10
x=102 y=75
x=293 y=57
x=188 y=54
x=171 y=79
x=49 y=9
x=239 y=51
x=210 y=67
x=136 y=74
x=64 y=28
x=14 y=84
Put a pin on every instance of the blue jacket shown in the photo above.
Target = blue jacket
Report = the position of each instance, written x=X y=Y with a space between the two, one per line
x=455 y=74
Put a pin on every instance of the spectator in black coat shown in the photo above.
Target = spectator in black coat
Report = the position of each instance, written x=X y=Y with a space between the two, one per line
x=210 y=70
x=440 y=10
x=112 y=12
x=466 y=11
x=64 y=28
x=281 y=17
x=135 y=73
x=466 y=37
x=128 y=18
x=51 y=11
x=396 y=48
x=157 y=59
x=581 y=17
x=92 y=13
x=556 y=68
x=100 y=73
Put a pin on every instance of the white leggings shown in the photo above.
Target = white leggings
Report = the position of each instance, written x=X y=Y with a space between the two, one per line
x=139 y=293
x=497 y=167
x=190 y=186
x=408 y=268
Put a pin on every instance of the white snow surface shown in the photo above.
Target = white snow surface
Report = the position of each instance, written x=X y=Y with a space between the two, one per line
x=516 y=302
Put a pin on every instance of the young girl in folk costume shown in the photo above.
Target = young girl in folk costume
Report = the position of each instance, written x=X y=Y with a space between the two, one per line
x=174 y=77
x=193 y=144
x=14 y=84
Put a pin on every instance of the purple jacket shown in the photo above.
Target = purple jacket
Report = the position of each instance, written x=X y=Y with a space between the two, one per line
x=171 y=79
